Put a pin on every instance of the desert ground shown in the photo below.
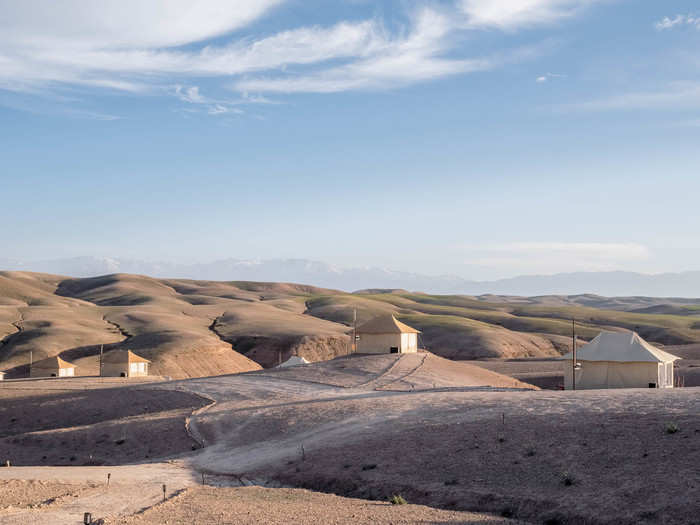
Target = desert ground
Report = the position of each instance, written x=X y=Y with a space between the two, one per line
x=474 y=430
x=449 y=437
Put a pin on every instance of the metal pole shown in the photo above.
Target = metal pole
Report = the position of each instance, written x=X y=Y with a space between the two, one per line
x=573 y=361
x=101 y=350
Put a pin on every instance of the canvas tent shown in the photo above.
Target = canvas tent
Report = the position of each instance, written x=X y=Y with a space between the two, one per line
x=124 y=363
x=386 y=335
x=52 y=367
x=619 y=360
x=295 y=360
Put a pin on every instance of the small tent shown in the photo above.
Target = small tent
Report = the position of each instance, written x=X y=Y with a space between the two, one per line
x=619 y=360
x=124 y=363
x=52 y=367
x=295 y=360
x=2 y=376
x=386 y=335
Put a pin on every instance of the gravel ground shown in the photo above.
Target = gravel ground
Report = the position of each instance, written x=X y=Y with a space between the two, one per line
x=32 y=493
x=281 y=506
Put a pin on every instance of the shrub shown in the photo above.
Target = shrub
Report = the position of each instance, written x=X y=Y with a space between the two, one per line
x=397 y=499
x=671 y=428
x=567 y=479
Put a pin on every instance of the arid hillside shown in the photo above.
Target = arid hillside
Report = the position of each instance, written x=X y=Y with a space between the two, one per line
x=449 y=435
x=202 y=328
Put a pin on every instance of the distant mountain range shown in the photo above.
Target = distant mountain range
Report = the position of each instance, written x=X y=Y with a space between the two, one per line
x=611 y=284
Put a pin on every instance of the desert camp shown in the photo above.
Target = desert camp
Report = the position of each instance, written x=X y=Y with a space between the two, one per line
x=386 y=335
x=397 y=262
x=619 y=360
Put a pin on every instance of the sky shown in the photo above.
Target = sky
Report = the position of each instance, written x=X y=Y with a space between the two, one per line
x=480 y=138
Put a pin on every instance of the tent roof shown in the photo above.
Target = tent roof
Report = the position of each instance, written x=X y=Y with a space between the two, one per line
x=52 y=362
x=385 y=324
x=621 y=347
x=123 y=356
x=295 y=360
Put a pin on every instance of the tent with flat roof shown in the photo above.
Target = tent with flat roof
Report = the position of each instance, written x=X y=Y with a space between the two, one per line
x=386 y=335
x=619 y=360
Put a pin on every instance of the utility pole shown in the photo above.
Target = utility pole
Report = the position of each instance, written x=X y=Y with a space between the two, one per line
x=573 y=360
x=354 y=330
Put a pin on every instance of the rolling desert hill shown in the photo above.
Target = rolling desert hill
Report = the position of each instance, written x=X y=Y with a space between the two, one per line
x=201 y=328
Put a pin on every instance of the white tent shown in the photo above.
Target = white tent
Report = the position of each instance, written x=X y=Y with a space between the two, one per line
x=619 y=360
x=295 y=360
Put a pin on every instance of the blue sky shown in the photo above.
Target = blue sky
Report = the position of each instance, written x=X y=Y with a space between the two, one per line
x=480 y=138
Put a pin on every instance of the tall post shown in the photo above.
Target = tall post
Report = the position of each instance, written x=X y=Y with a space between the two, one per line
x=31 y=362
x=354 y=330
x=573 y=360
x=102 y=347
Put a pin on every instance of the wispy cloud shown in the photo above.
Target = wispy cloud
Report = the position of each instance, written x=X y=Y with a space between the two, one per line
x=385 y=62
x=675 y=96
x=143 y=47
x=515 y=14
x=547 y=77
x=211 y=106
x=557 y=256
x=678 y=20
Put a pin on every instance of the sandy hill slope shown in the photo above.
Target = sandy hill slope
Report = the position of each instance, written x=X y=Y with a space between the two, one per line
x=197 y=328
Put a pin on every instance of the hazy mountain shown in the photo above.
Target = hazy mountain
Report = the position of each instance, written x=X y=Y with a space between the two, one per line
x=685 y=284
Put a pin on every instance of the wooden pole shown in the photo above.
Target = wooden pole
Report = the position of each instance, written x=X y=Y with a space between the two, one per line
x=573 y=360
x=354 y=330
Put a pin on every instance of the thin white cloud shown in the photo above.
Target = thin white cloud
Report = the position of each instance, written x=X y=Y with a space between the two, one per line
x=141 y=47
x=547 y=76
x=192 y=95
x=676 y=96
x=553 y=257
x=388 y=62
x=123 y=24
x=514 y=14
x=678 y=20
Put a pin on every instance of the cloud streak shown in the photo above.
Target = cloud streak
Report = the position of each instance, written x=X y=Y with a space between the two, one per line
x=516 y=14
x=142 y=47
x=675 y=96
x=553 y=256
x=676 y=21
